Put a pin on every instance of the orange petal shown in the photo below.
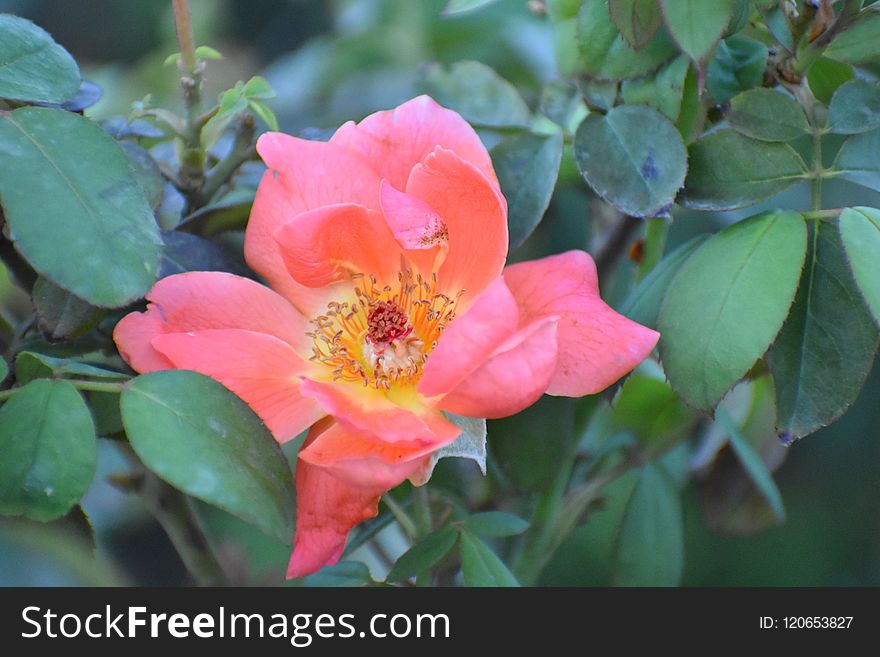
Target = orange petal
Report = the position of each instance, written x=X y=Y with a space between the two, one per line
x=328 y=506
x=514 y=377
x=303 y=175
x=392 y=142
x=475 y=214
x=205 y=300
x=323 y=246
x=261 y=369
x=470 y=340
x=361 y=459
x=367 y=409
x=597 y=345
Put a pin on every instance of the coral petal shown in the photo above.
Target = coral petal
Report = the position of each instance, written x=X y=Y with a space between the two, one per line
x=323 y=246
x=475 y=214
x=514 y=377
x=303 y=175
x=470 y=339
x=261 y=369
x=394 y=141
x=205 y=300
x=597 y=345
x=369 y=410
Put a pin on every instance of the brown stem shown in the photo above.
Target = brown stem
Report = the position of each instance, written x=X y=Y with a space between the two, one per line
x=621 y=235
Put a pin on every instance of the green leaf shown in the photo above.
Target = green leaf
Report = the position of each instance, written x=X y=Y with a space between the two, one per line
x=562 y=103
x=30 y=365
x=826 y=76
x=648 y=408
x=859 y=43
x=145 y=170
x=605 y=54
x=728 y=170
x=265 y=115
x=777 y=23
x=643 y=303
x=424 y=554
x=4 y=369
x=257 y=88
x=342 y=574
x=455 y=7
x=32 y=66
x=495 y=523
x=857 y=159
x=753 y=465
x=478 y=93
x=203 y=440
x=854 y=108
x=633 y=157
x=207 y=52
x=767 y=115
x=692 y=113
x=650 y=544
x=739 y=16
x=185 y=252
x=75 y=211
x=480 y=566
x=527 y=165
x=663 y=91
x=860 y=232
x=826 y=348
x=49 y=451
x=60 y=314
x=636 y=20
x=738 y=65
x=696 y=25
x=728 y=302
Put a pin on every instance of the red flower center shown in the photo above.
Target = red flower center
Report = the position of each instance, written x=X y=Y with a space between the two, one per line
x=387 y=322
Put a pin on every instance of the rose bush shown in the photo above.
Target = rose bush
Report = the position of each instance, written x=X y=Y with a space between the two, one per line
x=390 y=304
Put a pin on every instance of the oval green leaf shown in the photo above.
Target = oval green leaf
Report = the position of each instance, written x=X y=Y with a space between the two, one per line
x=728 y=170
x=480 y=566
x=824 y=352
x=826 y=76
x=478 y=93
x=860 y=42
x=33 y=68
x=636 y=20
x=728 y=302
x=633 y=157
x=860 y=232
x=650 y=542
x=423 y=554
x=696 y=25
x=643 y=303
x=767 y=115
x=663 y=91
x=205 y=441
x=855 y=108
x=650 y=410
x=738 y=64
x=74 y=209
x=60 y=314
x=47 y=439
x=605 y=54
x=857 y=160
x=496 y=523
x=527 y=166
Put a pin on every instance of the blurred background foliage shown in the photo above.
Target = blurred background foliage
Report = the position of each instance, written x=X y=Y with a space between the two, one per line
x=337 y=60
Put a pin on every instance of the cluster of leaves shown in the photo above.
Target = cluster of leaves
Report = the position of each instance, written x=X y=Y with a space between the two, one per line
x=769 y=326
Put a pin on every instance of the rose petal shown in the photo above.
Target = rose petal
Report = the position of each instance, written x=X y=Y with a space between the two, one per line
x=475 y=214
x=327 y=507
x=303 y=175
x=597 y=345
x=205 y=300
x=514 y=377
x=324 y=246
x=417 y=228
x=393 y=142
x=470 y=339
x=262 y=370
x=367 y=409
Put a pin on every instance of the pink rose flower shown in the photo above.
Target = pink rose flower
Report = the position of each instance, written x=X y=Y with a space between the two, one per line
x=389 y=303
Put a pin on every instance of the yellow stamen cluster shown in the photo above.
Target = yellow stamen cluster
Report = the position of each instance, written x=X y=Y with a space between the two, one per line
x=382 y=335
